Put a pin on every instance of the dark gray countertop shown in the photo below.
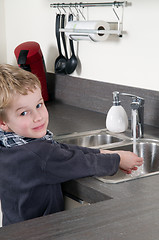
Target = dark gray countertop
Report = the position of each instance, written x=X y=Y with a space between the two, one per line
x=127 y=210
x=66 y=119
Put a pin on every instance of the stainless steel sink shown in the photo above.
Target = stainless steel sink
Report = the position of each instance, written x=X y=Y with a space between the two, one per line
x=90 y=139
x=149 y=150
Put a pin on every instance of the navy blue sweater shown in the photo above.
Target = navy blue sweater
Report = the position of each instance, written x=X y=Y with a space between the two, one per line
x=31 y=176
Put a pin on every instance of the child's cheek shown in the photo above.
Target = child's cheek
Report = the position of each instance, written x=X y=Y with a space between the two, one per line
x=24 y=124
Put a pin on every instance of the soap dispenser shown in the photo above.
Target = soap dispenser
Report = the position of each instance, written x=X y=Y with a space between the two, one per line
x=116 y=119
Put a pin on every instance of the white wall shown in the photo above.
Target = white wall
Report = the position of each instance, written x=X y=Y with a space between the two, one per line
x=132 y=60
x=3 y=55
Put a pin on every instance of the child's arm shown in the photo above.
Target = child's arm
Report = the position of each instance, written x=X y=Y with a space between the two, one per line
x=128 y=160
x=63 y=163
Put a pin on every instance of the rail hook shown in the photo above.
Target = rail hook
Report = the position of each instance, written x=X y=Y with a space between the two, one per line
x=72 y=11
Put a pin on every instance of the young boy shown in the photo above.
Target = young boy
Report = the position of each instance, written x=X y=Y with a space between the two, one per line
x=32 y=164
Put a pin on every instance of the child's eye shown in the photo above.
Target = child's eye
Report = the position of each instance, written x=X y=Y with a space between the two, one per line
x=39 y=105
x=23 y=113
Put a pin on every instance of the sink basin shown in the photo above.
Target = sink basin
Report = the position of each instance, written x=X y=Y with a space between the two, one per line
x=93 y=139
x=149 y=150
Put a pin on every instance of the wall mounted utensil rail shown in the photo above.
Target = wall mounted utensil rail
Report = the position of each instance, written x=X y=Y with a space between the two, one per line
x=115 y=5
x=104 y=4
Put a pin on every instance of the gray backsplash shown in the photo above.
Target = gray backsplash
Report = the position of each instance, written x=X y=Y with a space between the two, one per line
x=97 y=96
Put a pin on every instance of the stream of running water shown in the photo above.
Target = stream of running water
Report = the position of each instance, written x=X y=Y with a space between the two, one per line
x=139 y=171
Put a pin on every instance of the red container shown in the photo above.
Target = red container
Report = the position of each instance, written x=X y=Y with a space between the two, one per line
x=29 y=57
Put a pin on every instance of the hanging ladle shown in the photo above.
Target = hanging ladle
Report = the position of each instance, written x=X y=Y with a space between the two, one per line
x=63 y=35
x=60 y=62
x=72 y=62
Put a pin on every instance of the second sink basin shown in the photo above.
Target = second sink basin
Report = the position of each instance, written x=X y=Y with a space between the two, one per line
x=89 y=139
x=149 y=150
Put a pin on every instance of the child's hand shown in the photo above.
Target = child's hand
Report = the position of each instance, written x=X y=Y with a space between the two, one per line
x=128 y=160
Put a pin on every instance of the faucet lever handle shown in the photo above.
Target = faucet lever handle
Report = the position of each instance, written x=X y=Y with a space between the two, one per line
x=134 y=98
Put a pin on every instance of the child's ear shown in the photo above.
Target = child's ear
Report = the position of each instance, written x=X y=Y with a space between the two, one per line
x=3 y=126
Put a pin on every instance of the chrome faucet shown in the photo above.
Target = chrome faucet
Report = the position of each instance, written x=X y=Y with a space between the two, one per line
x=137 y=106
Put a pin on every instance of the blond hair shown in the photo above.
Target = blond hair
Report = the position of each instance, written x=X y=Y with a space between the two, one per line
x=14 y=80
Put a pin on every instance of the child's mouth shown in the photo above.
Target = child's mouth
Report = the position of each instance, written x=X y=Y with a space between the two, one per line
x=39 y=127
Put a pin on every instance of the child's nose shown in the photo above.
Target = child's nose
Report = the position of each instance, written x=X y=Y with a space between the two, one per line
x=37 y=116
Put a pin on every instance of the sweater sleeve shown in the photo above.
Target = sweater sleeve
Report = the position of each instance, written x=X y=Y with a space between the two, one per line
x=75 y=147
x=67 y=163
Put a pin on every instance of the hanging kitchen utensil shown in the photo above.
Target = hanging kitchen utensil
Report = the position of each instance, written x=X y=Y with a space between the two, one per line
x=72 y=62
x=60 y=62
x=63 y=35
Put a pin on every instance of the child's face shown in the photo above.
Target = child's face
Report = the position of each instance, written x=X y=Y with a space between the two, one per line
x=27 y=115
